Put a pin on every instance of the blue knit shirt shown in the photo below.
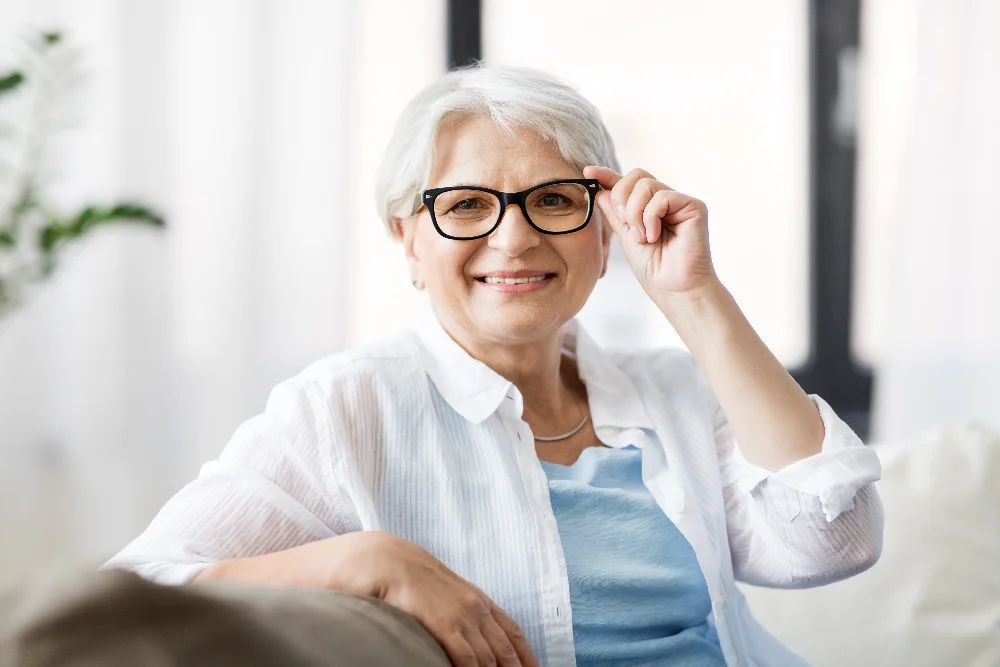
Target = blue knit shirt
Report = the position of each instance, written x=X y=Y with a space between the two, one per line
x=637 y=593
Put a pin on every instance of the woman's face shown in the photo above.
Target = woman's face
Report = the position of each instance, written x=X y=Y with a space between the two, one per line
x=473 y=151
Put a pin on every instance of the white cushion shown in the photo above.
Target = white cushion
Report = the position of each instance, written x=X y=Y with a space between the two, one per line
x=933 y=599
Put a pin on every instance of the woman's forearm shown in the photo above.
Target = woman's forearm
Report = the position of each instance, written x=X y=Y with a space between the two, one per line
x=332 y=563
x=771 y=417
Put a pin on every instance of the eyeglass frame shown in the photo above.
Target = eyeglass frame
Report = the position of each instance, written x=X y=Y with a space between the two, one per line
x=508 y=198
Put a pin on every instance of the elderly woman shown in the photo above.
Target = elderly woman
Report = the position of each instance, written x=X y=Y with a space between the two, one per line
x=527 y=496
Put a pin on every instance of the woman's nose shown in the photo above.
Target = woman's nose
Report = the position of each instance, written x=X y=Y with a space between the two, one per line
x=514 y=235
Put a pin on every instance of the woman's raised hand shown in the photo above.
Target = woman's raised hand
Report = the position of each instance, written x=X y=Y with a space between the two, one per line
x=664 y=233
x=472 y=630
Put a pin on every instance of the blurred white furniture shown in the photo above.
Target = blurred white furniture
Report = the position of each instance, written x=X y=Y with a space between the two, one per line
x=933 y=600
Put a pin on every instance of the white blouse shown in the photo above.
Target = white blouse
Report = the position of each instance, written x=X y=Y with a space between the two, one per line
x=415 y=437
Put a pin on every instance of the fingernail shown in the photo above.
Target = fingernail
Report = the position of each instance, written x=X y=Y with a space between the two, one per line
x=620 y=212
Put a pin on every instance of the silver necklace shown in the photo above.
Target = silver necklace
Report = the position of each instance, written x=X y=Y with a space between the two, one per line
x=568 y=434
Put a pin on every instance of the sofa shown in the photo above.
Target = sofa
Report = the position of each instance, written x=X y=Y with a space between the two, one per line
x=933 y=599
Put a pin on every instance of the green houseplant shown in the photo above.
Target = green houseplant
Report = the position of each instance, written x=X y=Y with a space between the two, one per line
x=33 y=233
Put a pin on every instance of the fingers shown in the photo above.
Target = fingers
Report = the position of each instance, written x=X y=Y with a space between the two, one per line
x=625 y=205
x=606 y=177
x=459 y=629
x=460 y=652
x=499 y=644
x=654 y=213
x=468 y=625
x=490 y=638
x=481 y=647
x=635 y=209
x=622 y=191
x=603 y=200
x=674 y=207
x=516 y=637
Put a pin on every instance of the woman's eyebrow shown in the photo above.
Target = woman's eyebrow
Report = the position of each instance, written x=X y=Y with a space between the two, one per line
x=468 y=184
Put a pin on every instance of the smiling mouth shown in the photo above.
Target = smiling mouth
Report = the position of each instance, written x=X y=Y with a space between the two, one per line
x=496 y=280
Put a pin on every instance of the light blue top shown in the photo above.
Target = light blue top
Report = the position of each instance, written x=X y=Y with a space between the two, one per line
x=637 y=593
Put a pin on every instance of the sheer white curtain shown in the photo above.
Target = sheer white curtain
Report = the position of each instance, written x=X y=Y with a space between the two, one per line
x=255 y=126
x=929 y=212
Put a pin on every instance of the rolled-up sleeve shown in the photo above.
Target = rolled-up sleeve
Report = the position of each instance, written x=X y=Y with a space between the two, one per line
x=267 y=492
x=813 y=522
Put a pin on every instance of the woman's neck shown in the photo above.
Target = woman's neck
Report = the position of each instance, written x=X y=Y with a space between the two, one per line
x=547 y=379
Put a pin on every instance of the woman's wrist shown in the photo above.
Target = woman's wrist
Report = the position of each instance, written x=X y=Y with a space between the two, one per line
x=249 y=570
x=208 y=574
x=341 y=563
x=677 y=303
x=691 y=313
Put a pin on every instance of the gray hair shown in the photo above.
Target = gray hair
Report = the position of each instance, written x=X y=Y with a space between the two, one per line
x=513 y=97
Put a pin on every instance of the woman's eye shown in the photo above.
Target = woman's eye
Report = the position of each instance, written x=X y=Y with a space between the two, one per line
x=466 y=204
x=551 y=200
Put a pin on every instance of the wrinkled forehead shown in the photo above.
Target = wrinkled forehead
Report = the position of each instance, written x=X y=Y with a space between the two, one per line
x=474 y=151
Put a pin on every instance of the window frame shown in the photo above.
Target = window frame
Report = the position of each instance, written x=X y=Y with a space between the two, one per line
x=834 y=35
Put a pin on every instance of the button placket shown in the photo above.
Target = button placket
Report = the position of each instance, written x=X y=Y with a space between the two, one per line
x=555 y=579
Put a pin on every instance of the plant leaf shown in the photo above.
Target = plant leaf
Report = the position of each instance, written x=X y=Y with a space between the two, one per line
x=52 y=37
x=56 y=231
x=50 y=235
x=10 y=81
x=132 y=212
x=7 y=239
x=120 y=212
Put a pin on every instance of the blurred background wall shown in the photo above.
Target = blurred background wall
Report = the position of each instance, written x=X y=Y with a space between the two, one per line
x=256 y=127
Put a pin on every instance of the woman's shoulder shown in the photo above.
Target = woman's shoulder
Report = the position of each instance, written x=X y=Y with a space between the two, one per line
x=655 y=360
x=633 y=361
x=672 y=371
x=388 y=360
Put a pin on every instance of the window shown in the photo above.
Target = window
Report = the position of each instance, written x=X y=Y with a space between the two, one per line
x=716 y=107
x=394 y=60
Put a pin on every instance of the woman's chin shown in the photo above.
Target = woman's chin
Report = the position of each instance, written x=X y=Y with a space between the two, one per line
x=522 y=324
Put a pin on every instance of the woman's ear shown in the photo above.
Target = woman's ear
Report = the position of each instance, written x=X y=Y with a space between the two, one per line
x=402 y=229
x=405 y=230
x=606 y=234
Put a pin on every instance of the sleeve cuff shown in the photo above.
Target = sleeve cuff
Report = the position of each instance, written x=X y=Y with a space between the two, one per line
x=834 y=475
x=167 y=574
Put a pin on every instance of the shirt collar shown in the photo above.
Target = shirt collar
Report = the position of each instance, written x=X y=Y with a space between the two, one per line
x=475 y=390
x=613 y=397
x=469 y=386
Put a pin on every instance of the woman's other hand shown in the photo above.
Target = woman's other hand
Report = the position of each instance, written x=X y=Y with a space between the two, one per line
x=664 y=233
x=472 y=630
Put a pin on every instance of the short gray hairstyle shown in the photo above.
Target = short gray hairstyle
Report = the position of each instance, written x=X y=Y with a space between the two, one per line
x=512 y=97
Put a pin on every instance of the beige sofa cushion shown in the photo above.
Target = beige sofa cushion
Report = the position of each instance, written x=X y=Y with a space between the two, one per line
x=933 y=600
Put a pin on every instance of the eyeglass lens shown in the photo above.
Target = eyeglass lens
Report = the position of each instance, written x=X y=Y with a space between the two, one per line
x=559 y=207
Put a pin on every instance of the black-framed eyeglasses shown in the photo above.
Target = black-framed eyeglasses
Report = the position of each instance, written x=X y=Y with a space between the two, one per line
x=465 y=212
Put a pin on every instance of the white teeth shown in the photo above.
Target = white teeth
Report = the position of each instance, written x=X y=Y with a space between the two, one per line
x=512 y=281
